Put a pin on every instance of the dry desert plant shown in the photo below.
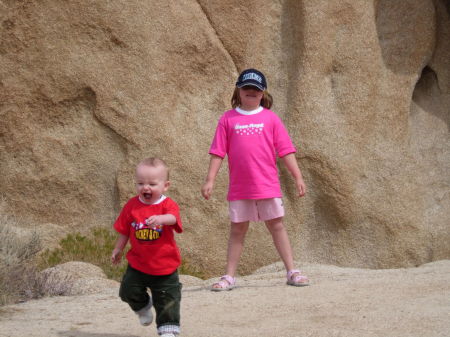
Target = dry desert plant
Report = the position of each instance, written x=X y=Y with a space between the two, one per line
x=20 y=278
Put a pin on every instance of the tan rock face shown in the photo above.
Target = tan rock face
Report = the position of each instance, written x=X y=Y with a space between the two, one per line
x=363 y=87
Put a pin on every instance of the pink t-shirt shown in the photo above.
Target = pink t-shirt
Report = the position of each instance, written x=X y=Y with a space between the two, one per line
x=252 y=142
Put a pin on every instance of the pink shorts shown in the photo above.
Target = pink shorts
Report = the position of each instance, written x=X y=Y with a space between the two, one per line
x=255 y=210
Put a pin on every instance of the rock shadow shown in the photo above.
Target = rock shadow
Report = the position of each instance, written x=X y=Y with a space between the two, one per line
x=405 y=32
x=429 y=97
x=292 y=41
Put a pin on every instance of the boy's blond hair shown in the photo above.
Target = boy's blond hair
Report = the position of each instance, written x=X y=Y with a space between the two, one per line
x=155 y=162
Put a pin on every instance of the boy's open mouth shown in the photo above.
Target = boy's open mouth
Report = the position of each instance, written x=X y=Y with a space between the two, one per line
x=147 y=195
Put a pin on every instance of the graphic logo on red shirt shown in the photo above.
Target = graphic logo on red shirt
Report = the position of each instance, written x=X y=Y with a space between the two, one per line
x=144 y=232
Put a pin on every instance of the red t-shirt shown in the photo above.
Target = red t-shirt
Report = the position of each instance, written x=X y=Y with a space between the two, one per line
x=153 y=251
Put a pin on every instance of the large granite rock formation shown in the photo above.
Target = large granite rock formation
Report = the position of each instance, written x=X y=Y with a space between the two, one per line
x=86 y=90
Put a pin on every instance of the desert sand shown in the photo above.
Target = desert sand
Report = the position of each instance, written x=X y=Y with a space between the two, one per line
x=339 y=302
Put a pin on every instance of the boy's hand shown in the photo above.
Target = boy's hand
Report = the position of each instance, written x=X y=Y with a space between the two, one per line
x=207 y=189
x=160 y=220
x=154 y=220
x=116 y=256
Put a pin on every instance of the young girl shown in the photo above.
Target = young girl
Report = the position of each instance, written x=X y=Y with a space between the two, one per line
x=252 y=136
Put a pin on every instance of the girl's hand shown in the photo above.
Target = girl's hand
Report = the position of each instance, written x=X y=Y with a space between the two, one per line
x=292 y=166
x=116 y=256
x=214 y=166
x=301 y=187
x=207 y=189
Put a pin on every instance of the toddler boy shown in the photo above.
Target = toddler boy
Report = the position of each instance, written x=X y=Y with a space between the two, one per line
x=149 y=221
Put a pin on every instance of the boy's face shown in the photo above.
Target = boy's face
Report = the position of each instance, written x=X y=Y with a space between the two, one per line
x=151 y=182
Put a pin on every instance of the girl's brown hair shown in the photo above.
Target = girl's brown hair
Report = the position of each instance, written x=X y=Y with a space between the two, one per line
x=266 y=101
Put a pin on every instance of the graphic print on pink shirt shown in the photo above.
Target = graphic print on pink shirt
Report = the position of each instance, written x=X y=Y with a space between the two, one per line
x=251 y=129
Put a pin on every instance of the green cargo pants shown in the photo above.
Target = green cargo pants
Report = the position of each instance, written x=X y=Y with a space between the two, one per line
x=165 y=290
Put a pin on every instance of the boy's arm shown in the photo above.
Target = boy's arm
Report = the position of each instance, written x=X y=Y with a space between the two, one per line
x=214 y=167
x=292 y=166
x=120 y=245
x=163 y=219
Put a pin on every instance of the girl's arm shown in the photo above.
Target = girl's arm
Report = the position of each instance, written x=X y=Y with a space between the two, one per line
x=214 y=166
x=292 y=166
x=120 y=245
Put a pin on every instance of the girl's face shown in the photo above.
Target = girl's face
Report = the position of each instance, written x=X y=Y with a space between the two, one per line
x=250 y=97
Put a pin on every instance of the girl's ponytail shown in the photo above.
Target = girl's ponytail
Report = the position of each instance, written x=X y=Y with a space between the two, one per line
x=266 y=101
x=235 y=100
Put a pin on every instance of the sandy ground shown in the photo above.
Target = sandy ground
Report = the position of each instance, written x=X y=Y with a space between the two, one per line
x=339 y=302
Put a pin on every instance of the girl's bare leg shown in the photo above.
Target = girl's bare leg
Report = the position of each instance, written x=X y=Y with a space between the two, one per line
x=281 y=241
x=235 y=247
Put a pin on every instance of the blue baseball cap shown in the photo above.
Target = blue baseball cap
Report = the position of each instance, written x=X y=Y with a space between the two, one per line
x=252 y=77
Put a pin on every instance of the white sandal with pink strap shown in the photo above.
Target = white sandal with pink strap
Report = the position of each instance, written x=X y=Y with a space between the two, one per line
x=226 y=282
x=296 y=279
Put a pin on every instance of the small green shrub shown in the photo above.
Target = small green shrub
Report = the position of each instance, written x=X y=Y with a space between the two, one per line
x=187 y=268
x=96 y=248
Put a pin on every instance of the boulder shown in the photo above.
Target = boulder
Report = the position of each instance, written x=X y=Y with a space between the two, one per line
x=363 y=87
x=76 y=278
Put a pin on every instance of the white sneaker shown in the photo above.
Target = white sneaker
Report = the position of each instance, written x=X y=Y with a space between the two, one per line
x=168 y=335
x=145 y=314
